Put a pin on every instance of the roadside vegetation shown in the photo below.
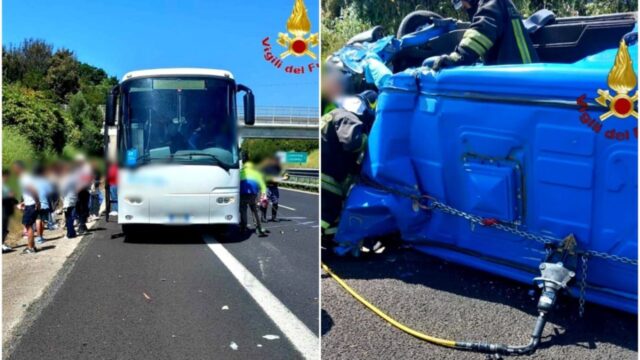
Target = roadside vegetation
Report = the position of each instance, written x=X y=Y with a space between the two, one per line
x=259 y=149
x=342 y=19
x=52 y=103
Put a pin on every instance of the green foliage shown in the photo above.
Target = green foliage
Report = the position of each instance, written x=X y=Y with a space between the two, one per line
x=88 y=118
x=63 y=76
x=38 y=83
x=95 y=84
x=95 y=94
x=259 y=149
x=336 y=31
x=70 y=151
x=27 y=63
x=341 y=19
x=15 y=146
x=34 y=116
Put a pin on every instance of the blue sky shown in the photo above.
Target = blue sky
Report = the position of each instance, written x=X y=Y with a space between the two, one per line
x=120 y=36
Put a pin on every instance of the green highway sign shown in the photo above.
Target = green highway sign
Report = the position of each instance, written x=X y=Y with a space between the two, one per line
x=296 y=157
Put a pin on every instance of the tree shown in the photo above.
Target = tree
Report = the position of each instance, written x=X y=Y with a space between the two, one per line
x=35 y=117
x=63 y=76
x=28 y=63
x=37 y=84
x=88 y=119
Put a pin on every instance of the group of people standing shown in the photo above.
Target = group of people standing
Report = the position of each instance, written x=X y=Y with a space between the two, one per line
x=258 y=188
x=72 y=189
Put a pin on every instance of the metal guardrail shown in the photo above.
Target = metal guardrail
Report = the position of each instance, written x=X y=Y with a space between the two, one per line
x=303 y=178
x=283 y=115
x=303 y=172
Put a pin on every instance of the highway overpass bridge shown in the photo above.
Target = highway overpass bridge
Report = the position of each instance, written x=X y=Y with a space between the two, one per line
x=277 y=122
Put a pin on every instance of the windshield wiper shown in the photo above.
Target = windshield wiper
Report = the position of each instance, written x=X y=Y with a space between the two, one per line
x=192 y=154
x=144 y=158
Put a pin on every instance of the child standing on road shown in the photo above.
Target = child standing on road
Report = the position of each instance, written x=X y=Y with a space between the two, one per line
x=30 y=204
x=96 y=195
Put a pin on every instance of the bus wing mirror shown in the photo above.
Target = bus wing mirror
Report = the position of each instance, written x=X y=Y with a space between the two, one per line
x=249 y=105
x=110 y=111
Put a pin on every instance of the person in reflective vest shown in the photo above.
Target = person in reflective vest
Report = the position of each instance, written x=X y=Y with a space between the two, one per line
x=273 y=175
x=496 y=35
x=344 y=139
x=252 y=188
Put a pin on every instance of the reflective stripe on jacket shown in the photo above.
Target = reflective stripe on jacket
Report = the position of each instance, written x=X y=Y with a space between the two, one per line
x=497 y=35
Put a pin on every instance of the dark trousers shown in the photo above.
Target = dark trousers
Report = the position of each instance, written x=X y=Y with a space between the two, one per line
x=68 y=218
x=274 y=211
x=273 y=194
x=82 y=207
x=5 y=225
x=94 y=204
x=249 y=200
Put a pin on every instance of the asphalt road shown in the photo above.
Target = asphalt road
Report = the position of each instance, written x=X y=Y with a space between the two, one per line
x=169 y=296
x=454 y=302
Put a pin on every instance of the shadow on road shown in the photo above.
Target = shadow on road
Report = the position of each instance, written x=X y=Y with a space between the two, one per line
x=167 y=235
x=45 y=248
x=410 y=266
x=327 y=322
x=183 y=235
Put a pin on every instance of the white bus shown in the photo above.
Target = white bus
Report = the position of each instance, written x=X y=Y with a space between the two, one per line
x=177 y=146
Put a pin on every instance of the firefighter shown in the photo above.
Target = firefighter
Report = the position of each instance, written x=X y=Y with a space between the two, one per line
x=344 y=138
x=252 y=188
x=496 y=35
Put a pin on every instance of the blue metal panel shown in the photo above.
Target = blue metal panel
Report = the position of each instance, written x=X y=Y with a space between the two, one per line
x=508 y=142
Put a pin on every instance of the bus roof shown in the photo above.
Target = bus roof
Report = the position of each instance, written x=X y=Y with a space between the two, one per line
x=175 y=72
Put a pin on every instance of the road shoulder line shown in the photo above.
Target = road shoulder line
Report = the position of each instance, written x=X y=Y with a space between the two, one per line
x=303 y=339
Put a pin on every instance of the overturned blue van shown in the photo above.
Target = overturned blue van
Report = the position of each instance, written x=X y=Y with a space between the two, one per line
x=493 y=166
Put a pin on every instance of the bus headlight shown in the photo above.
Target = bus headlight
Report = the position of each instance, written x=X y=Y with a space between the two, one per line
x=226 y=200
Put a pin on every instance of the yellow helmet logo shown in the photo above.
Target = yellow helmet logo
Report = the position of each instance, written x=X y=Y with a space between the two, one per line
x=298 y=25
x=622 y=78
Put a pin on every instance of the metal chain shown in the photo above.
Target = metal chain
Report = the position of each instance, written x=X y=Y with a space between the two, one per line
x=606 y=256
x=583 y=284
x=545 y=240
x=432 y=203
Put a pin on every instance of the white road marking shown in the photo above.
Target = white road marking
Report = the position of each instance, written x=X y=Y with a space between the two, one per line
x=292 y=217
x=303 y=339
x=307 y=222
x=286 y=207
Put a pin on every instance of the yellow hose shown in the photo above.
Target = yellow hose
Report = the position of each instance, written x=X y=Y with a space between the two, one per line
x=390 y=320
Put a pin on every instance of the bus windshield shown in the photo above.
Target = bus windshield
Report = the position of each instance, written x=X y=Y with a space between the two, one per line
x=172 y=119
